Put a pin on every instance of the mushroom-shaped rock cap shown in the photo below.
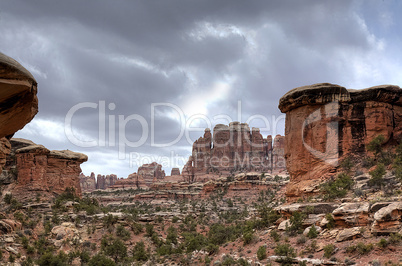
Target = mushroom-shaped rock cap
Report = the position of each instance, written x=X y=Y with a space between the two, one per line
x=18 y=100
x=320 y=93
x=383 y=93
x=11 y=69
x=69 y=155
x=323 y=93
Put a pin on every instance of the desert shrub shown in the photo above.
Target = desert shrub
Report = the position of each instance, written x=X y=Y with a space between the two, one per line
x=398 y=162
x=337 y=188
x=175 y=219
x=375 y=145
x=268 y=216
x=329 y=250
x=360 y=248
x=7 y=198
x=109 y=220
x=383 y=243
x=286 y=251
x=101 y=260
x=395 y=238
x=248 y=237
x=114 y=248
x=171 y=237
x=274 y=234
x=377 y=176
x=331 y=221
x=262 y=253
x=50 y=259
x=296 y=223
x=123 y=233
x=137 y=228
x=347 y=164
x=301 y=240
x=139 y=252
x=312 y=233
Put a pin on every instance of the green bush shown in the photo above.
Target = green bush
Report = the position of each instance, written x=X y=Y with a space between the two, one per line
x=248 y=237
x=49 y=259
x=377 y=176
x=123 y=233
x=101 y=260
x=114 y=248
x=286 y=251
x=139 y=253
x=7 y=198
x=171 y=237
x=312 y=233
x=331 y=221
x=329 y=250
x=274 y=234
x=375 y=145
x=337 y=188
x=296 y=223
x=383 y=243
x=262 y=253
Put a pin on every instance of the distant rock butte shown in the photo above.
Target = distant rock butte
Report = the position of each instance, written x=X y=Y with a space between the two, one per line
x=175 y=171
x=147 y=174
x=234 y=148
x=133 y=181
x=326 y=123
x=18 y=101
x=151 y=172
x=42 y=170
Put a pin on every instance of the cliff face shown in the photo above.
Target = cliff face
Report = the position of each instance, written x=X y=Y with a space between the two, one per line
x=42 y=170
x=234 y=148
x=326 y=123
x=18 y=101
x=104 y=182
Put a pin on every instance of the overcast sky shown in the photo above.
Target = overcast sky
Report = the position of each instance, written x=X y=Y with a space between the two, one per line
x=185 y=64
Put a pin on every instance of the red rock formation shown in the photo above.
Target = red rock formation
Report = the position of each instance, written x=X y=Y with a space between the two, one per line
x=175 y=171
x=133 y=181
x=151 y=171
x=18 y=101
x=104 y=182
x=88 y=183
x=234 y=148
x=40 y=169
x=326 y=122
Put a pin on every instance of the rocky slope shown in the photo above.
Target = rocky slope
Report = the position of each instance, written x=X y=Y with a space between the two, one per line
x=326 y=123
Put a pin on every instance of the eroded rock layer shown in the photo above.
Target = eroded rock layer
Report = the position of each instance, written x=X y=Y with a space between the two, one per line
x=42 y=170
x=234 y=148
x=326 y=123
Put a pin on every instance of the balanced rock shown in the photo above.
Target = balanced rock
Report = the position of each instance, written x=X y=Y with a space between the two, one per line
x=40 y=169
x=326 y=123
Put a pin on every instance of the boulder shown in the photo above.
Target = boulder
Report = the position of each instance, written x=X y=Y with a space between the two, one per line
x=352 y=214
x=388 y=219
x=348 y=234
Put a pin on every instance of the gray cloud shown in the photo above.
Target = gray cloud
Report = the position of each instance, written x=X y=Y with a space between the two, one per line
x=202 y=56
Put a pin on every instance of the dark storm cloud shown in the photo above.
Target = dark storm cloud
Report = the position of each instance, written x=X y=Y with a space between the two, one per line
x=201 y=56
